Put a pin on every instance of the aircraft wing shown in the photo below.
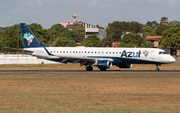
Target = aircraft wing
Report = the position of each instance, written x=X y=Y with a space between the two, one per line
x=82 y=60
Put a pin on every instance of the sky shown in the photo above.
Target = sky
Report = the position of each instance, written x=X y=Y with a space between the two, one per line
x=101 y=12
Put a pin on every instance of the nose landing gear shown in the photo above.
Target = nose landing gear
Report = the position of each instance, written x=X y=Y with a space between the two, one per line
x=157 y=67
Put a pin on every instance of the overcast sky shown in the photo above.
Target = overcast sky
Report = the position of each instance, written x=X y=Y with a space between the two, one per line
x=101 y=12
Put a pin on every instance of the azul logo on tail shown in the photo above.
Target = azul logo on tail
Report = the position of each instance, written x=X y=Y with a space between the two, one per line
x=29 y=38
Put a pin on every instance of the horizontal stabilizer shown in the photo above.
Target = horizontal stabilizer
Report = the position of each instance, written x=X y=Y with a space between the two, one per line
x=22 y=50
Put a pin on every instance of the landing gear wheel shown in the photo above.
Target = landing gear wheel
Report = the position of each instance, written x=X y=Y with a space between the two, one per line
x=89 y=68
x=157 y=67
x=103 y=69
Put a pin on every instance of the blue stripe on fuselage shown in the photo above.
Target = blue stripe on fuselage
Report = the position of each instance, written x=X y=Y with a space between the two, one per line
x=117 y=60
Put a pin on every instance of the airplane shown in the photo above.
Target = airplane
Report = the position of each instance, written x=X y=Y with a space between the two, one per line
x=101 y=57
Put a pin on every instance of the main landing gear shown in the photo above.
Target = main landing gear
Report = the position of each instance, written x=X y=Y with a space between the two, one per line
x=102 y=69
x=157 y=67
x=89 y=68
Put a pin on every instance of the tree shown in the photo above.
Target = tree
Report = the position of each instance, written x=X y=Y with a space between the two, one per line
x=116 y=29
x=10 y=38
x=64 y=42
x=171 y=38
x=164 y=19
x=99 y=27
x=148 y=29
x=92 y=41
x=131 y=40
x=149 y=24
x=78 y=34
x=107 y=42
x=174 y=23
x=155 y=24
x=152 y=24
x=160 y=29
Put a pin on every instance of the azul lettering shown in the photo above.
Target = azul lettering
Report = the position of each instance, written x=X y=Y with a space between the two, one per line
x=130 y=54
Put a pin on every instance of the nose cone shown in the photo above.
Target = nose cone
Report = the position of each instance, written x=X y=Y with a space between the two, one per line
x=172 y=59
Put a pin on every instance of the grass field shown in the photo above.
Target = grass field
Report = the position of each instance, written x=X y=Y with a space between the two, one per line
x=97 y=93
x=101 y=93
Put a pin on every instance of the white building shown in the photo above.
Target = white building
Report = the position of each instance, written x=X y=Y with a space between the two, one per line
x=101 y=33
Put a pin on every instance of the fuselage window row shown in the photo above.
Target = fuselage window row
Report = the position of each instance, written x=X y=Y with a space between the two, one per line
x=87 y=52
x=95 y=52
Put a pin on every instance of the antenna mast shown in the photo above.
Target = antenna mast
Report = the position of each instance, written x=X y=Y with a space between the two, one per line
x=75 y=16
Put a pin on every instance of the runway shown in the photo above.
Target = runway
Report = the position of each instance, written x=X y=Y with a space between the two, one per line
x=94 y=72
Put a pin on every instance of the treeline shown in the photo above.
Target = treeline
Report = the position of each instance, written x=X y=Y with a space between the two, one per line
x=57 y=35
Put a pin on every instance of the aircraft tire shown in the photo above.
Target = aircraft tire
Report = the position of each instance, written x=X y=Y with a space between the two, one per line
x=103 y=69
x=89 y=68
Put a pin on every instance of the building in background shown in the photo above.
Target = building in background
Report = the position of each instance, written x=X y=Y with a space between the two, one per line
x=89 y=29
x=115 y=44
x=101 y=33
x=153 y=39
x=164 y=23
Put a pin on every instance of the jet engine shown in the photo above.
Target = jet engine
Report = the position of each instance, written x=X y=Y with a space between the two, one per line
x=103 y=64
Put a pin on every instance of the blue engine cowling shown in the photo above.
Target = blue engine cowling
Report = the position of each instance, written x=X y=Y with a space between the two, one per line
x=104 y=64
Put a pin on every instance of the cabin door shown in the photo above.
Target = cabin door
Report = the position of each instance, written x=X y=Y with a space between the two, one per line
x=152 y=54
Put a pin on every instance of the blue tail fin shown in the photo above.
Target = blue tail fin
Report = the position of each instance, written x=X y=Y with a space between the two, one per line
x=29 y=40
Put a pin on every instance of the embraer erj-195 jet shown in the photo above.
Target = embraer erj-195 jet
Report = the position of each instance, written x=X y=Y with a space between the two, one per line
x=102 y=58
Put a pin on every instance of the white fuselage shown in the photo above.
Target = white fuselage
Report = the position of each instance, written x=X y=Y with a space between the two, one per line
x=119 y=55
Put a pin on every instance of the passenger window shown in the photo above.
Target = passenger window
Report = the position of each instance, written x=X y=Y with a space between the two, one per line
x=163 y=52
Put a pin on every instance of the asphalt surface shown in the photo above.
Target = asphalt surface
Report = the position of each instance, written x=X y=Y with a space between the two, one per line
x=95 y=71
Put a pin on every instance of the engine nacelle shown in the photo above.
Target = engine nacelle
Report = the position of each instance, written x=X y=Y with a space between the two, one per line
x=125 y=65
x=103 y=64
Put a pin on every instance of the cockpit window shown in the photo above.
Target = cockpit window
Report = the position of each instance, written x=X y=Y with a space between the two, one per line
x=163 y=52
